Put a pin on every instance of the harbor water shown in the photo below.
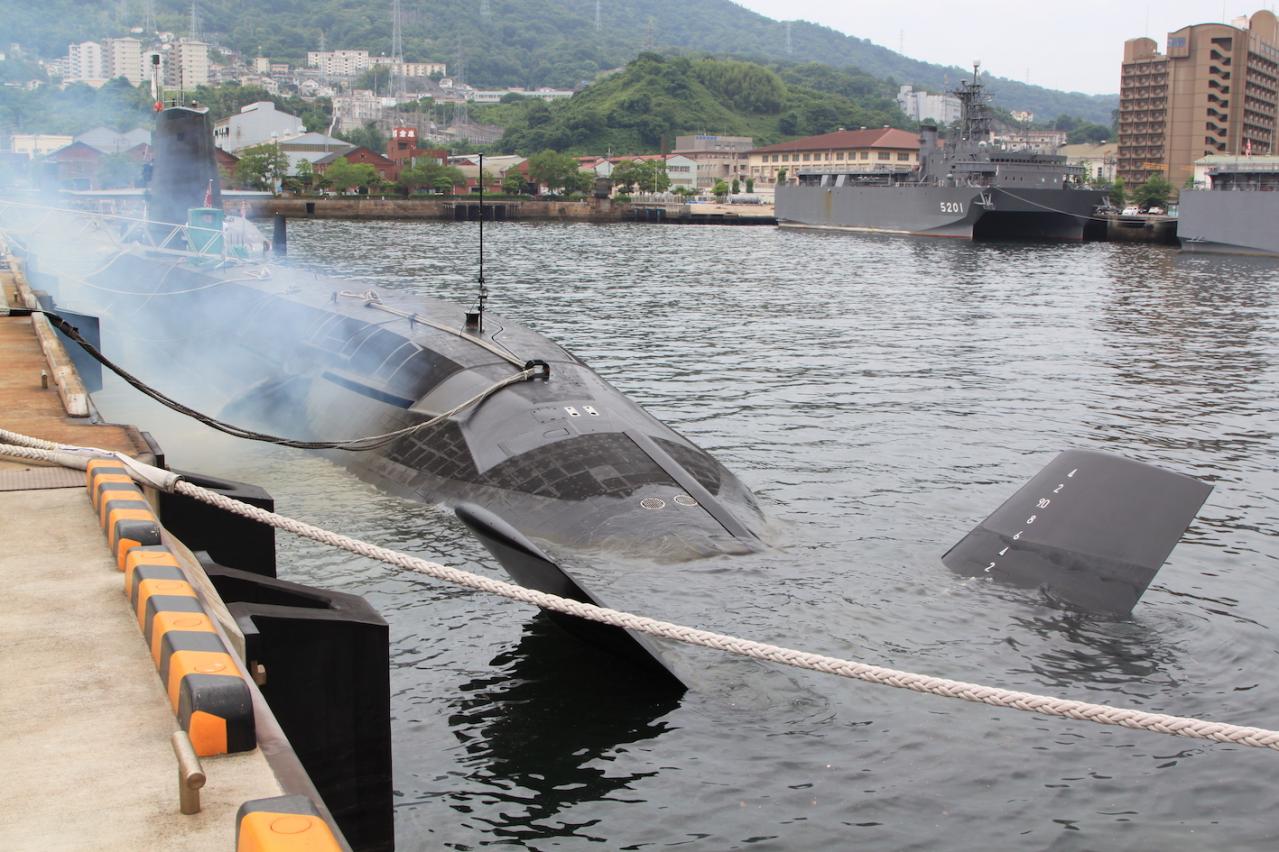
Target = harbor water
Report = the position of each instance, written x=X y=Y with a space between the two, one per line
x=881 y=396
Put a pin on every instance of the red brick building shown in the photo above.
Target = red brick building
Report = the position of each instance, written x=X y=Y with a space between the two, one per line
x=387 y=169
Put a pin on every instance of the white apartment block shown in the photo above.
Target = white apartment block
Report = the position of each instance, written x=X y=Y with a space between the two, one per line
x=918 y=106
x=188 y=66
x=124 y=59
x=85 y=62
x=338 y=63
x=411 y=69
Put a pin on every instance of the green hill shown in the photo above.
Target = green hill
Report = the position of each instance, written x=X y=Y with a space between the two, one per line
x=655 y=98
x=518 y=42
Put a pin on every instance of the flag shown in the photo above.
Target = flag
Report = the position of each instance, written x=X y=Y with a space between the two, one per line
x=208 y=194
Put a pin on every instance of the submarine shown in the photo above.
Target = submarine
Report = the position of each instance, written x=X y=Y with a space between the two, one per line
x=539 y=456
x=532 y=446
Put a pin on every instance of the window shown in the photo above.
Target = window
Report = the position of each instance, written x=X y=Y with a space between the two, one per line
x=839 y=155
x=865 y=155
x=903 y=156
x=807 y=157
x=885 y=155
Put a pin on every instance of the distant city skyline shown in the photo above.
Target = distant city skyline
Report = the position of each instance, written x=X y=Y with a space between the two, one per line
x=1075 y=47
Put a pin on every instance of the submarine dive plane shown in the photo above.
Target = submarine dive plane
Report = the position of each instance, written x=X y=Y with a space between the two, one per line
x=557 y=457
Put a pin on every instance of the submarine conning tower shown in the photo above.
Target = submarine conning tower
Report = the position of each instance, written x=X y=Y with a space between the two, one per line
x=183 y=165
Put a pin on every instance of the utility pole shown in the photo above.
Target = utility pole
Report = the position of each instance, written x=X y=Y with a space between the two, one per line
x=397 y=53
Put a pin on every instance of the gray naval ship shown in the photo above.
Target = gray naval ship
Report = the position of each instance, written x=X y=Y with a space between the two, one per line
x=1238 y=213
x=967 y=188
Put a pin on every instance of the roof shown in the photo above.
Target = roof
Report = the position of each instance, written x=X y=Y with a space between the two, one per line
x=76 y=150
x=1088 y=149
x=884 y=137
x=314 y=142
x=109 y=141
x=336 y=155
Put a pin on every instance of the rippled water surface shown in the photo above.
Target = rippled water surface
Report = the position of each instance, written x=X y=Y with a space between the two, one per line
x=881 y=396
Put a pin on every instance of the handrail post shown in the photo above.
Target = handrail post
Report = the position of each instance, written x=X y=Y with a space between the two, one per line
x=190 y=773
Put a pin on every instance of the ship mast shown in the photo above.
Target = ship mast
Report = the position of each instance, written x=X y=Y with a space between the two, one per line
x=974 y=118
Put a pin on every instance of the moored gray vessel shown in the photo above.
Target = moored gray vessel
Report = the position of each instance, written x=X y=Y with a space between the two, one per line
x=965 y=188
x=1237 y=213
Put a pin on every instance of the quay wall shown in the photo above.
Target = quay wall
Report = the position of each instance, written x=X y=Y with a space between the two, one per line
x=433 y=208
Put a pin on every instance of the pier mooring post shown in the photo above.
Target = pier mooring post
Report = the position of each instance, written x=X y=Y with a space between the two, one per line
x=280 y=235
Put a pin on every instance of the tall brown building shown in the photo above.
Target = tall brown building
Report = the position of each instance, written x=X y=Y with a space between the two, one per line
x=1215 y=91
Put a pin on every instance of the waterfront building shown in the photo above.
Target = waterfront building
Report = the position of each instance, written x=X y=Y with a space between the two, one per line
x=110 y=141
x=716 y=157
x=123 y=58
x=255 y=124
x=38 y=144
x=311 y=147
x=1214 y=91
x=1099 y=160
x=855 y=150
x=919 y=106
x=386 y=168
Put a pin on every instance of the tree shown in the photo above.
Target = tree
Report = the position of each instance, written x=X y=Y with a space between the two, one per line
x=736 y=187
x=750 y=185
x=1117 y=194
x=430 y=173
x=720 y=189
x=343 y=175
x=1153 y=193
x=552 y=168
x=368 y=136
x=262 y=166
x=513 y=183
x=305 y=173
x=781 y=174
x=625 y=175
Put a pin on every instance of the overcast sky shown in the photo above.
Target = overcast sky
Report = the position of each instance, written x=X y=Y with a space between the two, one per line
x=1074 y=46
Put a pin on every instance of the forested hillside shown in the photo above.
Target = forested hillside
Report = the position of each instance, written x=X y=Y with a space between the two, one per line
x=644 y=107
x=516 y=42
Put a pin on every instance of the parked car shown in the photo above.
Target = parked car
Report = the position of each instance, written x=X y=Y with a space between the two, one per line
x=1131 y=211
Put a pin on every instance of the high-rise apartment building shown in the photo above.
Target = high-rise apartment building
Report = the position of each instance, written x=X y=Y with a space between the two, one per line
x=124 y=59
x=85 y=62
x=187 y=66
x=1214 y=91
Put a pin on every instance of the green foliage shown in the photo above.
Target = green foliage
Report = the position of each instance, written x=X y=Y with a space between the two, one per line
x=431 y=174
x=1089 y=133
x=261 y=166
x=513 y=183
x=1153 y=193
x=343 y=175
x=75 y=109
x=736 y=187
x=750 y=185
x=226 y=100
x=720 y=190
x=368 y=136
x=655 y=99
x=1118 y=194
x=523 y=42
x=644 y=175
x=556 y=170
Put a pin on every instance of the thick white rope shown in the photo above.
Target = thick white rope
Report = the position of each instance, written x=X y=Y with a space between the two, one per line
x=33 y=448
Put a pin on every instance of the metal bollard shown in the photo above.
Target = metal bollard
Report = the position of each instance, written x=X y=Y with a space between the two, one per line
x=190 y=773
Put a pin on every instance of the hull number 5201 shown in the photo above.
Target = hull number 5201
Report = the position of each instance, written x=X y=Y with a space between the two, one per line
x=952 y=206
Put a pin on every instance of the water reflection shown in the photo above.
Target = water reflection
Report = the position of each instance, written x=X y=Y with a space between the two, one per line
x=542 y=728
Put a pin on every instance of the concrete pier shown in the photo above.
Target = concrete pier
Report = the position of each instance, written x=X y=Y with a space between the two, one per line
x=87 y=755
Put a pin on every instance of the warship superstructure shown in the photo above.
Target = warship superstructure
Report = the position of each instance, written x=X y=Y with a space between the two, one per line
x=966 y=187
x=1238 y=213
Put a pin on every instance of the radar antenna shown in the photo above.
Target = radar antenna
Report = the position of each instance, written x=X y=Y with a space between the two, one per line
x=974 y=117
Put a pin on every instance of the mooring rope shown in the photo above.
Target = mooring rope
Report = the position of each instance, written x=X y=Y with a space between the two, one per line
x=25 y=447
